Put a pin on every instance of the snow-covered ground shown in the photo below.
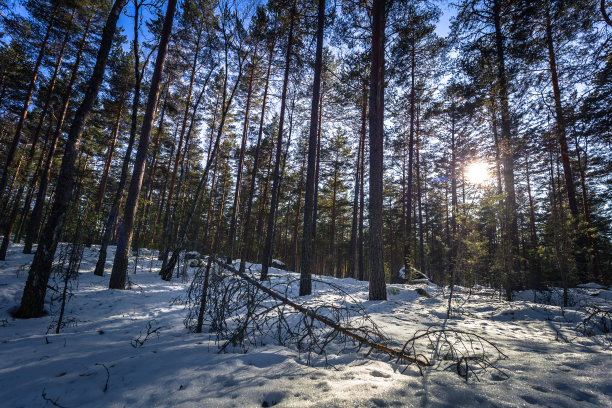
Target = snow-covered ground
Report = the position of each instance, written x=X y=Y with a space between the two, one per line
x=93 y=362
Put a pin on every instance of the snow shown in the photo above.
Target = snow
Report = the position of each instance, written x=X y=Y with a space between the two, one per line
x=550 y=361
x=278 y=264
x=419 y=277
x=591 y=285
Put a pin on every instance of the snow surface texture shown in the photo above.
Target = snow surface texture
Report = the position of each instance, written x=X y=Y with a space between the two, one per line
x=550 y=362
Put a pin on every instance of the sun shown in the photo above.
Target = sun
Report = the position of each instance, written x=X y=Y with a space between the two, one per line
x=477 y=172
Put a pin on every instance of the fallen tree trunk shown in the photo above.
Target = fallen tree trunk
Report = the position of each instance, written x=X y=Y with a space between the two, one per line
x=392 y=352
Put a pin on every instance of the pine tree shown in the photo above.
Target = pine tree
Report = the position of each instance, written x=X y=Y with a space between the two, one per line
x=306 y=265
x=120 y=264
x=32 y=301
x=270 y=231
x=378 y=290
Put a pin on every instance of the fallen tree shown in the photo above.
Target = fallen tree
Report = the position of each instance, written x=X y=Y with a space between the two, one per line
x=243 y=311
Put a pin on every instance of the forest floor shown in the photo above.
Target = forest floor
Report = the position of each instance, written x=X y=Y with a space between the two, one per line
x=97 y=359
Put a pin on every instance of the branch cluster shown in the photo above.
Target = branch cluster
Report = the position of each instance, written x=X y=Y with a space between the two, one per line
x=243 y=312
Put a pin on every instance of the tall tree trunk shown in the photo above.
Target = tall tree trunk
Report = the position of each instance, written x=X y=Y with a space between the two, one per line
x=353 y=266
x=213 y=254
x=240 y=164
x=166 y=271
x=152 y=170
x=211 y=140
x=282 y=173
x=156 y=149
x=532 y=225
x=211 y=196
x=120 y=264
x=565 y=159
x=162 y=201
x=37 y=211
x=189 y=132
x=332 y=227
x=296 y=225
x=20 y=162
x=536 y=275
x=51 y=88
x=33 y=183
x=306 y=264
x=507 y=150
x=360 y=243
x=315 y=206
x=453 y=208
x=33 y=299
x=419 y=196
x=36 y=134
x=267 y=253
x=262 y=205
x=558 y=221
x=125 y=168
x=587 y=215
x=247 y=217
x=408 y=261
x=378 y=289
x=496 y=144
x=109 y=155
x=10 y=155
x=166 y=234
x=8 y=229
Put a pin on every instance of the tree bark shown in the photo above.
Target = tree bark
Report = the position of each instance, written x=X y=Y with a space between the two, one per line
x=247 y=217
x=419 y=196
x=565 y=159
x=162 y=200
x=37 y=212
x=160 y=131
x=282 y=175
x=408 y=261
x=33 y=299
x=306 y=267
x=536 y=275
x=587 y=216
x=507 y=150
x=109 y=155
x=33 y=183
x=267 y=253
x=43 y=116
x=8 y=229
x=353 y=258
x=166 y=234
x=378 y=289
x=152 y=169
x=10 y=155
x=296 y=225
x=453 y=208
x=240 y=164
x=332 y=226
x=51 y=88
x=360 y=244
x=120 y=264
x=166 y=271
x=315 y=206
x=125 y=168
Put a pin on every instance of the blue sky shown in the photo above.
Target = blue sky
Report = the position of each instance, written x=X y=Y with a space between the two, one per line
x=127 y=22
x=447 y=13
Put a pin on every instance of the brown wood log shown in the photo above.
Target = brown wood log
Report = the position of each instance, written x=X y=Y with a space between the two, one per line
x=399 y=354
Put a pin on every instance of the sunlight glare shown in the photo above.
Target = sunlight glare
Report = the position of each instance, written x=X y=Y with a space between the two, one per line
x=477 y=172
